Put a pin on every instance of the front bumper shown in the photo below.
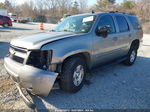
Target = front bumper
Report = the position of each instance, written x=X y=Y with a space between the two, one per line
x=25 y=99
x=35 y=80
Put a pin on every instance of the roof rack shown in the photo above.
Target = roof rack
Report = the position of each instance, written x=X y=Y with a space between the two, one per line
x=117 y=12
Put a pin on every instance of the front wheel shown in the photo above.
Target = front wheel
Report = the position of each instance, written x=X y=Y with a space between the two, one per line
x=131 y=57
x=5 y=25
x=73 y=74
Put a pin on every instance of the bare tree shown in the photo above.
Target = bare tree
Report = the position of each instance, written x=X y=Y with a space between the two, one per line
x=27 y=9
x=51 y=5
x=64 y=7
x=83 y=7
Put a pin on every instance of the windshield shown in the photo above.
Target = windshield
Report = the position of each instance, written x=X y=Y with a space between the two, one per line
x=76 y=24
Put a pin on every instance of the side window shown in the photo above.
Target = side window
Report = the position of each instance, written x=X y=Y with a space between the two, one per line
x=135 y=23
x=1 y=17
x=107 y=20
x=122 y=23
x=7 y=18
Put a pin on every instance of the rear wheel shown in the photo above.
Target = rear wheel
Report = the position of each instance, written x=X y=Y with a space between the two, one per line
x=5 y=25
x=132 y=55
x=73 y=74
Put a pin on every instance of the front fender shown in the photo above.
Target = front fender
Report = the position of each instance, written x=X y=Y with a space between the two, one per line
x=70 y=46
x=61 y=56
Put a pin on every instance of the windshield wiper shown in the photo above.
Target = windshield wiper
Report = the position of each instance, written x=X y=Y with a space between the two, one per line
x=52 y=30
x=68 y=31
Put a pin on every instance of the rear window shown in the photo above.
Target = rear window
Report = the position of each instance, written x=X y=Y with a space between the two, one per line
x=135 y=23
x=7 y=18
x=122 y=24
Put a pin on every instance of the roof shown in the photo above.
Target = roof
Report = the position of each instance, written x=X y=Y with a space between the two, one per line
x=98 y=13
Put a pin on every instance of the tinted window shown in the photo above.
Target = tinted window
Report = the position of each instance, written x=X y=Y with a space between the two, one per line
x=122 y=23
x=1 y=17
x=135 y=23
x=107 y=20
x=7 y=18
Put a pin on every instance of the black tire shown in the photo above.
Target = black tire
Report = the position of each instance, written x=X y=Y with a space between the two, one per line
x=66 y=79
x=5 y=25
x=132 y=51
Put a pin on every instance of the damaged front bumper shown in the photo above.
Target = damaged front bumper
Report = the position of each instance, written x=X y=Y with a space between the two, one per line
x=25 y=99
x=36 y=81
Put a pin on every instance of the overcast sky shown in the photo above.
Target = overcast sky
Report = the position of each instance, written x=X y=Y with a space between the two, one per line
x=90 y=2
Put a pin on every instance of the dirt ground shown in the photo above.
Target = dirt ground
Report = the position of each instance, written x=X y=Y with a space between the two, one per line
x=118 y=87
x=8 y=92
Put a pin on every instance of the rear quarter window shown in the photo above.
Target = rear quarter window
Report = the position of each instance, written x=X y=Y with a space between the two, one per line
x=135 y=23
x=122 y=23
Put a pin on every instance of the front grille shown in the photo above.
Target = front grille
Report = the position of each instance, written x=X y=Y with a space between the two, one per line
x=17 y=59
x=15 y=54
x=22 y=50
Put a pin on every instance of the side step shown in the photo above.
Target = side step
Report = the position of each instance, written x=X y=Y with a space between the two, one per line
x=108 y=64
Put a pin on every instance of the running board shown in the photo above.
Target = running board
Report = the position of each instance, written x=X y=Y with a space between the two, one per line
x=95 y=69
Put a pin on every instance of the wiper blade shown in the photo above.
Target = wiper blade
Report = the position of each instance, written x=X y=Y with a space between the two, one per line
x=67 y=31
x=52 y=30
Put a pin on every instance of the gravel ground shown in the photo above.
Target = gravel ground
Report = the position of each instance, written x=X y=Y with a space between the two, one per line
x=9 y=97
x=117 y=87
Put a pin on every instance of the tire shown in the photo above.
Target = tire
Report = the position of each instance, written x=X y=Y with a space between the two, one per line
x=73 y=74
x=131 y=57
x=5 y=25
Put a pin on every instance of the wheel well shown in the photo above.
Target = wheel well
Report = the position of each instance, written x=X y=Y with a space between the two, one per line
x=85 y=56
x=136 y=44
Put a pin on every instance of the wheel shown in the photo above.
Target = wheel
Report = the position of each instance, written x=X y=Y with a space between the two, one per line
x=5 y=25
x=131 y=57
x=73 y=74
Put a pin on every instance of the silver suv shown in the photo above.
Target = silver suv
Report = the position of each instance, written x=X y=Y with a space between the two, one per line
x=78 y=44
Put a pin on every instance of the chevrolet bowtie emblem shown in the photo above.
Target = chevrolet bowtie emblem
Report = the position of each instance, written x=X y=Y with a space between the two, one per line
x=12 y=51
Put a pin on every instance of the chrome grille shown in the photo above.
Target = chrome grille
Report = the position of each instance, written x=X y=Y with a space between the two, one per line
x=17 y=59
x=17 y=54
x=18 y=49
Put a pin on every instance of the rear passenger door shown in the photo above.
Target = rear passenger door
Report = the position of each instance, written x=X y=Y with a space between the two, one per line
x=123 y=35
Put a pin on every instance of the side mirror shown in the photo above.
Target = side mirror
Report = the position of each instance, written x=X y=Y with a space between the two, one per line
x=103 y=31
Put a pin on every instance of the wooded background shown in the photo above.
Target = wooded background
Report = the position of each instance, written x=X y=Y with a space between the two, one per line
x=55 y=9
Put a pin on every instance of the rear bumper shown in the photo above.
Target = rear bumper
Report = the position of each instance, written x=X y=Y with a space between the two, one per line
x=35 y=80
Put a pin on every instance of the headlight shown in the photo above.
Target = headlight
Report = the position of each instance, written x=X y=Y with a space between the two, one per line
x=40 y=59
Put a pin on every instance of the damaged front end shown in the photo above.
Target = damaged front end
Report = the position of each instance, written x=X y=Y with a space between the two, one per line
x=32 y=71
x=40 y=59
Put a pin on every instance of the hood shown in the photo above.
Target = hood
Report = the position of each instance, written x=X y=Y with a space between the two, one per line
x=37 y=40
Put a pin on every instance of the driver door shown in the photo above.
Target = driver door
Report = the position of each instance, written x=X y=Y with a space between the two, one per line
x=105 y=48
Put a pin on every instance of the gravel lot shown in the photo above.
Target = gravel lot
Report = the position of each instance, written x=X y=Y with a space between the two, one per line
x=117 y=87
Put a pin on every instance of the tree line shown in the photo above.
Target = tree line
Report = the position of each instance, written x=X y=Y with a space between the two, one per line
x=42 y=9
